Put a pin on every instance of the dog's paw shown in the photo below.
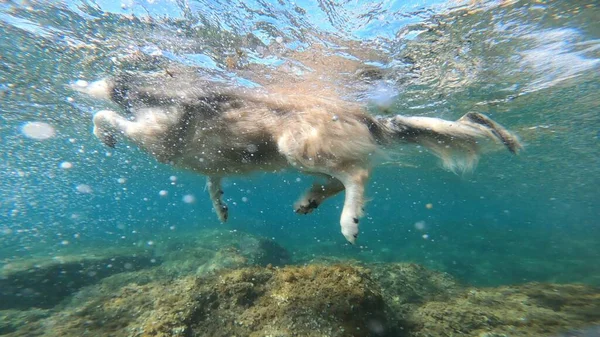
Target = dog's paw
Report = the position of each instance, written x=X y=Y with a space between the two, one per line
x=222 y=212
x=350 y=228
x=102 y=123
x=105 y=137
x=305 y=206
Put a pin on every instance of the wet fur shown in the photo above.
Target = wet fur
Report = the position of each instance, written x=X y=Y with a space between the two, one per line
x=220 y=131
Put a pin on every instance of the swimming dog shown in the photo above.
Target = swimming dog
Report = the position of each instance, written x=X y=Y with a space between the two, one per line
x=218 y=130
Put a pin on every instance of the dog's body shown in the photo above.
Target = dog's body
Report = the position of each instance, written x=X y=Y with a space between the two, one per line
x=218 y=131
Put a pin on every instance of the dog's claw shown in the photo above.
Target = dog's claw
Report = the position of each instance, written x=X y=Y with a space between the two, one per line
x=307 y=208
x=223 y=212
x=109 y=140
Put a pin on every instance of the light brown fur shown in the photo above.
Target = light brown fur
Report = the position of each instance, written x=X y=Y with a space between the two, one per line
x=219 y=131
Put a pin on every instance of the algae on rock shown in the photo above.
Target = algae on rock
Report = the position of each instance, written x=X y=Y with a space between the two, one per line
x=45 y=281
x=206 y=286
x=529 y=310
x=291 y=301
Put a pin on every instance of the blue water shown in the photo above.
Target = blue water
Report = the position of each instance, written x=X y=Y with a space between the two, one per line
x=532 y=67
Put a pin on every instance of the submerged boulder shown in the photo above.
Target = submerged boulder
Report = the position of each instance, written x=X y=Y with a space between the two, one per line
x=400 y=299
x=529 y=310
x=291 y=301
x=43 y=282
x=407 y=286
x=203 y=252
x=424 y=303
x=23 y=320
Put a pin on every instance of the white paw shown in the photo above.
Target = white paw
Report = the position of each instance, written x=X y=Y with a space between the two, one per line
x=102 y=127
x=222 y=212
x=350 y=228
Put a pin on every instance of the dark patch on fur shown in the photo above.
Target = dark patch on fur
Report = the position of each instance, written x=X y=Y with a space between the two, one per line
x=374 y=128
x=120 y=93
x=280 y=111
x=177 y=135
x=110 y=140
x=370 y=74
x=400 y=130
x=133 y=90
x=215 y=103
x=128 y=93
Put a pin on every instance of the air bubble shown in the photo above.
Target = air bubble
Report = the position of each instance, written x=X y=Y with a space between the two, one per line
x=420 y=225
x=81 y=83
x=188 y=198
x=252 y=148
x=38 y=130
x=66 y=165
x=83 y=188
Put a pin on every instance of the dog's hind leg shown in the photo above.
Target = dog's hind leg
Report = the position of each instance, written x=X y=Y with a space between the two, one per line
x=354 y=182
x=214 y=190
x=315 y=195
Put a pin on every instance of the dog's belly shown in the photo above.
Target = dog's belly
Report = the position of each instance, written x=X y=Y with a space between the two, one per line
x=230 y=162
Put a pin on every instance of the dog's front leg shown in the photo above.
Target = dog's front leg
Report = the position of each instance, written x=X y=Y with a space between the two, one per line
x=108 y=124
x=354 y=181
x=313 y=197
x=214 y=190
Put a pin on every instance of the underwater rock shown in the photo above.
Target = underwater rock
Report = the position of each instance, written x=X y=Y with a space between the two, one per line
x=12 y=320
x=529 y=310
x=593 y=331
x=202 y=252
x=390 y=300
x=291 y=301
x=406 y=286
x=43 y=282
x=424 y=303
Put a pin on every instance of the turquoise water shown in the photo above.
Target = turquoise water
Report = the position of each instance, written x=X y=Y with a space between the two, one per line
x=533 y=67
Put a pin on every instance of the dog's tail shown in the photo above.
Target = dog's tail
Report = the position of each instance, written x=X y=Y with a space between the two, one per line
x=458 y=144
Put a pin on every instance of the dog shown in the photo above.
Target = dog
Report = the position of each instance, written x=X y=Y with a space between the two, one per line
x=218 y=130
